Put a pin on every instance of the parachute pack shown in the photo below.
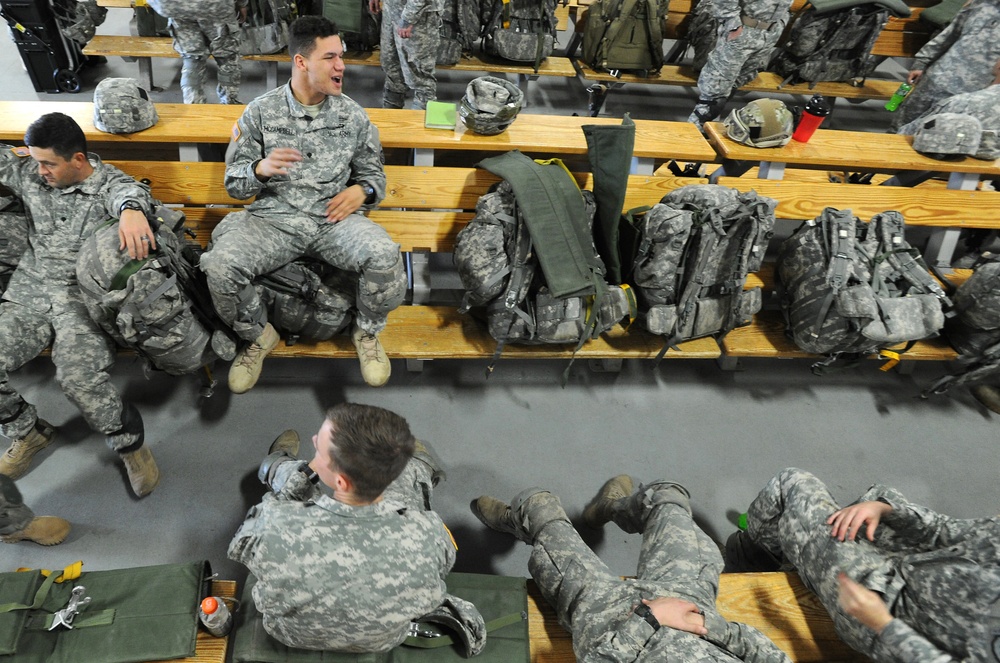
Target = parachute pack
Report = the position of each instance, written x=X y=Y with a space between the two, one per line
x=519 y=30
x=833 y=41
x=855 y=288
x=625 y=35
x=528 y=258
x=307 y=299
x=694 y=251
x=13 y=237
x=974 y=330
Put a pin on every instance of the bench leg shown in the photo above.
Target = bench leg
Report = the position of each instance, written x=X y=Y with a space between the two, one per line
x=146 y=73
x=964 y=181
x=642 y=165
x=730 y=168
x=728 y=363
x=415 y=365
x=941 y=248
x=271 y=74
x=188 y=152
x=676 y=52
x=771 y=170
x=423 y=156
x=421 y=274
x=605 y=365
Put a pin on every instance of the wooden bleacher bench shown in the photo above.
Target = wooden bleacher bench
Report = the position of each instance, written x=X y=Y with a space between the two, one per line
x=777 y=604
x=145 y=48
x=208 y=648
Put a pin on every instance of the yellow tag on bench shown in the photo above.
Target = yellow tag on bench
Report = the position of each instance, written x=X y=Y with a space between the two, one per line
x=893 y=358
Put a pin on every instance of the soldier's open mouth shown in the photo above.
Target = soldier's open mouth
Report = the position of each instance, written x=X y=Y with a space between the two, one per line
x=338 y=80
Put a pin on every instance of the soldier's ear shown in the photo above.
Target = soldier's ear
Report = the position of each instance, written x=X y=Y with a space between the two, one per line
x=298 y=62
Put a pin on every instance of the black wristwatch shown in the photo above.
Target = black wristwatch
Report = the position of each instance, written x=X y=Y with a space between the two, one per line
x=369 y=192
x=309 y=473
x=646 y=613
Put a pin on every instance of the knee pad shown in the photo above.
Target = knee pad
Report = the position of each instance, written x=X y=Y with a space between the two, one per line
x=131 y=434
x=381 y=290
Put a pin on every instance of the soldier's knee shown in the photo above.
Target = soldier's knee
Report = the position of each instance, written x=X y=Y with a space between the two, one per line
x=667 y=492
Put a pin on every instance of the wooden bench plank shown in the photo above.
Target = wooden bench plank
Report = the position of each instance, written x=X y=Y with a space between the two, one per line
x=208 y=648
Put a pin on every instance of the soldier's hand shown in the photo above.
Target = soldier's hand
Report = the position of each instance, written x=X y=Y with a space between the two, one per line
x=374 y=6
x=678 y=614
x=914 y=76
x=345 y=203
x=862 y=603
x=278 y=162
x=135 y=234
x=406 y=32
x=733 y=34
x=848 y=521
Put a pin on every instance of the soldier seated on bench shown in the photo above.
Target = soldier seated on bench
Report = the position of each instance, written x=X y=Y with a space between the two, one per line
x=666 y=613
x=901 y=582
x=347 y=573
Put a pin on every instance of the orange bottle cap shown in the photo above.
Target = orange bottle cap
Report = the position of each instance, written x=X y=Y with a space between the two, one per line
x=209 y=605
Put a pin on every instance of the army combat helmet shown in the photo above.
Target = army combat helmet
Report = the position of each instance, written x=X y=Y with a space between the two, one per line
x=761 y=123
x=490 y=105
x=955 y=135
x=122 y=107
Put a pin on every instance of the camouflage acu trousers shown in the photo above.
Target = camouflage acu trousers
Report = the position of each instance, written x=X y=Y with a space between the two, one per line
x=83 y=356
x=14 y=513
x=195 y=41
x=676 y=559
x=245 y=246
x=788 y=518
x=735 y=62
x=409 y=63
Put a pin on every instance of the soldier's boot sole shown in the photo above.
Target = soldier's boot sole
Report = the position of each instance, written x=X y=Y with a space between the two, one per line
x=598 y=511
x=43 y=530
x=143 y=474
x=17 y=459
x=288 y=442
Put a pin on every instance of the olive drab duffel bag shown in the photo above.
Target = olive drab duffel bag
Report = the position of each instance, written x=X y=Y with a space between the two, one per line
x=502 y=601
x=141 y=614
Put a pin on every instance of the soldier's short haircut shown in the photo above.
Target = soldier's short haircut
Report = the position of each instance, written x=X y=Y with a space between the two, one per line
x=58 y=132
x=305 y=30
x=371 y=446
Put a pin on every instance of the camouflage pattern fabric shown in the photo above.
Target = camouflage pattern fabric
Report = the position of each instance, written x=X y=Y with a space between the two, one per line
x=761 y=123
x=122 y=107
x=938 y=575
x=345 y=578
x=984 y=105
x=459 y=30
x=288 y=218
x=87 y=15
x=13 y=237
x=201 y=28
x=409 y=62
x=945 y=135
x=43 y=305
x=519 y=30
x=959 y=59
x=677 y=559
x=14 y=513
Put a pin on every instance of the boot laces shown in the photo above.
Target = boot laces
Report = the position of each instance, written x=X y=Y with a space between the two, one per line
x=369 y=346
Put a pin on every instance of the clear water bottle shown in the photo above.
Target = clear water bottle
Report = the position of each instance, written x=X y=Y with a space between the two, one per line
x=215 y=617
x=897 y=98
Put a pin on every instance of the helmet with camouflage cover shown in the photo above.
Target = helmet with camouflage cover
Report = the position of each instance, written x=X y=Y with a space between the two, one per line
x=490 y=105
x=761 y=123
x=948 y=136
x=122 y=107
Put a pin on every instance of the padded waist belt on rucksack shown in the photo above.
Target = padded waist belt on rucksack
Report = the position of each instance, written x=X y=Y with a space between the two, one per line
x=140 y=614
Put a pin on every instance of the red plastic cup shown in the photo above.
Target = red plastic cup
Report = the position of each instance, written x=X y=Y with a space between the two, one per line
x=807 y=126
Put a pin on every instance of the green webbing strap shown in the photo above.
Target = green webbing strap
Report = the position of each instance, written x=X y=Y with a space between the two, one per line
x=88 y=620
x=445 y=640
x=119 y=280
x=40 y=596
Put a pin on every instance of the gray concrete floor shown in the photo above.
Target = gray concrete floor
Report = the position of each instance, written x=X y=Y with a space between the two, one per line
x=722 y=434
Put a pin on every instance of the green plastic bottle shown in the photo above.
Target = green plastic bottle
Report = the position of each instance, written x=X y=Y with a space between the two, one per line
x=897 y=98
x=741 y=522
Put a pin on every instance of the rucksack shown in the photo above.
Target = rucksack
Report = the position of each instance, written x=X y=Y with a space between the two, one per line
x=854 y=287
x=695 y=249
x=701 y=33
x=974 y=330
x=266 y=29
x=13 y=237
x=526 y=299
x=460 y=29
x=624 y=35
x=307 y=299
x=833 y=45
x=359 y=27
x=159 y=307
x=519 y=30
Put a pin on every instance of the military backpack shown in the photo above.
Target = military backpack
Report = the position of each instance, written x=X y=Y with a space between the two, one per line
x=833 y=41
x=460 y=29
x=519 y=30
x=974 y=330
x=624 y=35
x=855 y=288
x=160 y=306
x=13 y=237
x=701 y=33
x=695 y=249
x=307 y=299
x=533 y=266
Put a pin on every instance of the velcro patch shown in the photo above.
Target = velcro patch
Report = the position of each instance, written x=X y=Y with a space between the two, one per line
x=236 y=131
x=21 y=151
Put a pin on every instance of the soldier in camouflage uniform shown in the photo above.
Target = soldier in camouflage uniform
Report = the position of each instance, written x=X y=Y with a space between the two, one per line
x=411 y=30
x=616 y=620
x=901 y=582
x=19 y=523
x=347 y=573
x=747 y=33
x=959 y=59
x=201 y=28
x=984 y=105
x=68 y=193
x=312 y=158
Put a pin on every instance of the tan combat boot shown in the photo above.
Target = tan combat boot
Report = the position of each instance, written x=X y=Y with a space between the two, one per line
x=375 y=367
x=287 y=442
x=143 y=474
x=988 y=395
x=17 y=458
x=246 y=367
x=598 y=512
x=43 y=530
